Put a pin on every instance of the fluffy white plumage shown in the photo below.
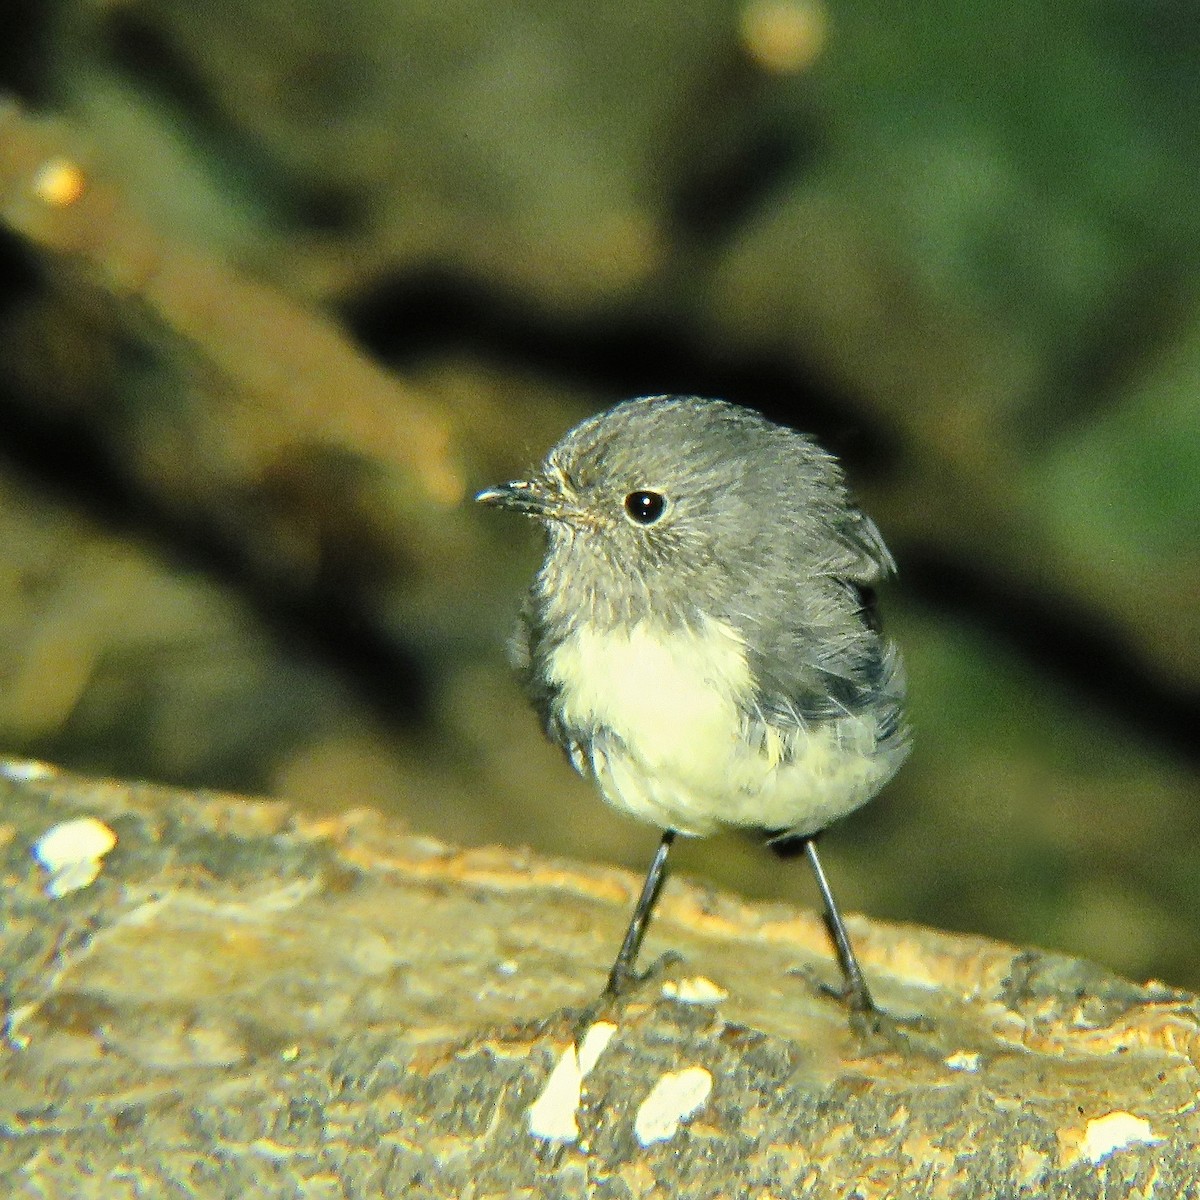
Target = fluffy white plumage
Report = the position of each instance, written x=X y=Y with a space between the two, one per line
x=676 y=747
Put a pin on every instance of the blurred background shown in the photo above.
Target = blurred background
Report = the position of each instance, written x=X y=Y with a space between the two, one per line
x=283 y=282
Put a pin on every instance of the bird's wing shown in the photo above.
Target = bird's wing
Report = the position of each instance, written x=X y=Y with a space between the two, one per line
x=867 y=558
x=832 y=663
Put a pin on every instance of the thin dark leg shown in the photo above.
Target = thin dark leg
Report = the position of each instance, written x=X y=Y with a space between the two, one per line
x=858 y=995
x=622 y=969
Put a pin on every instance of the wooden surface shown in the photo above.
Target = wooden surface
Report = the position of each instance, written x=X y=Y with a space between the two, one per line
x=249 y=1004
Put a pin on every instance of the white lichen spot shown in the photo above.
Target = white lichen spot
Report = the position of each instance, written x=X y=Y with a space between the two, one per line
x=696 y=990
x=1115 y=1131
x=12 y=1025
x=963 y=1060
x=25 y=770
x=72 y=852
x=675 y=1097
x=552 y=1114
x=594 y=1043
x=1031 y=1167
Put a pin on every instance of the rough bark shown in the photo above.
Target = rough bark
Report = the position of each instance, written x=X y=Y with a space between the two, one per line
x=246 y=1003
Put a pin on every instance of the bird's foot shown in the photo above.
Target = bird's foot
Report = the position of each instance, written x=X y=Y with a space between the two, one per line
x=621 y=991
x=881 y=1031
x=875 y=1027
x=856 y=999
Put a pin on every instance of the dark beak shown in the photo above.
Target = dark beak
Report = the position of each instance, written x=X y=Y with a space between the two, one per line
x=524 y=497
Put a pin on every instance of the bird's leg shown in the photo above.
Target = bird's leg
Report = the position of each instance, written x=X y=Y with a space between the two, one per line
x=623 y=978
x=622 y=969
x=858 y=995
x=907 y=1034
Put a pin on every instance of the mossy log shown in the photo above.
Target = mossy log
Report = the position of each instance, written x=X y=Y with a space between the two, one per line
x=246 y=1002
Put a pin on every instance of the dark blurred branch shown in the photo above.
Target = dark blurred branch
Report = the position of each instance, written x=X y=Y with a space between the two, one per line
x=230 y=403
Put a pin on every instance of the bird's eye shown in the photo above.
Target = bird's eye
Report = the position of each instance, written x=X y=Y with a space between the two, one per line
x=645 y=507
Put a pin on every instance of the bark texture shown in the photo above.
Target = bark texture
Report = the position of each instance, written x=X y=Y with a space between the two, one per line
x=249 y=1003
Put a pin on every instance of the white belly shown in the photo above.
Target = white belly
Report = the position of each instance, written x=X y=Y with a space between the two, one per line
x=678 y=700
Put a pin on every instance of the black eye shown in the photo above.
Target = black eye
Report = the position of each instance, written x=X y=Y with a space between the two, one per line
x=644 y=508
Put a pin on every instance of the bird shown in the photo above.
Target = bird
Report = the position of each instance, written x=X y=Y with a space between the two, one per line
x=701 y=639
